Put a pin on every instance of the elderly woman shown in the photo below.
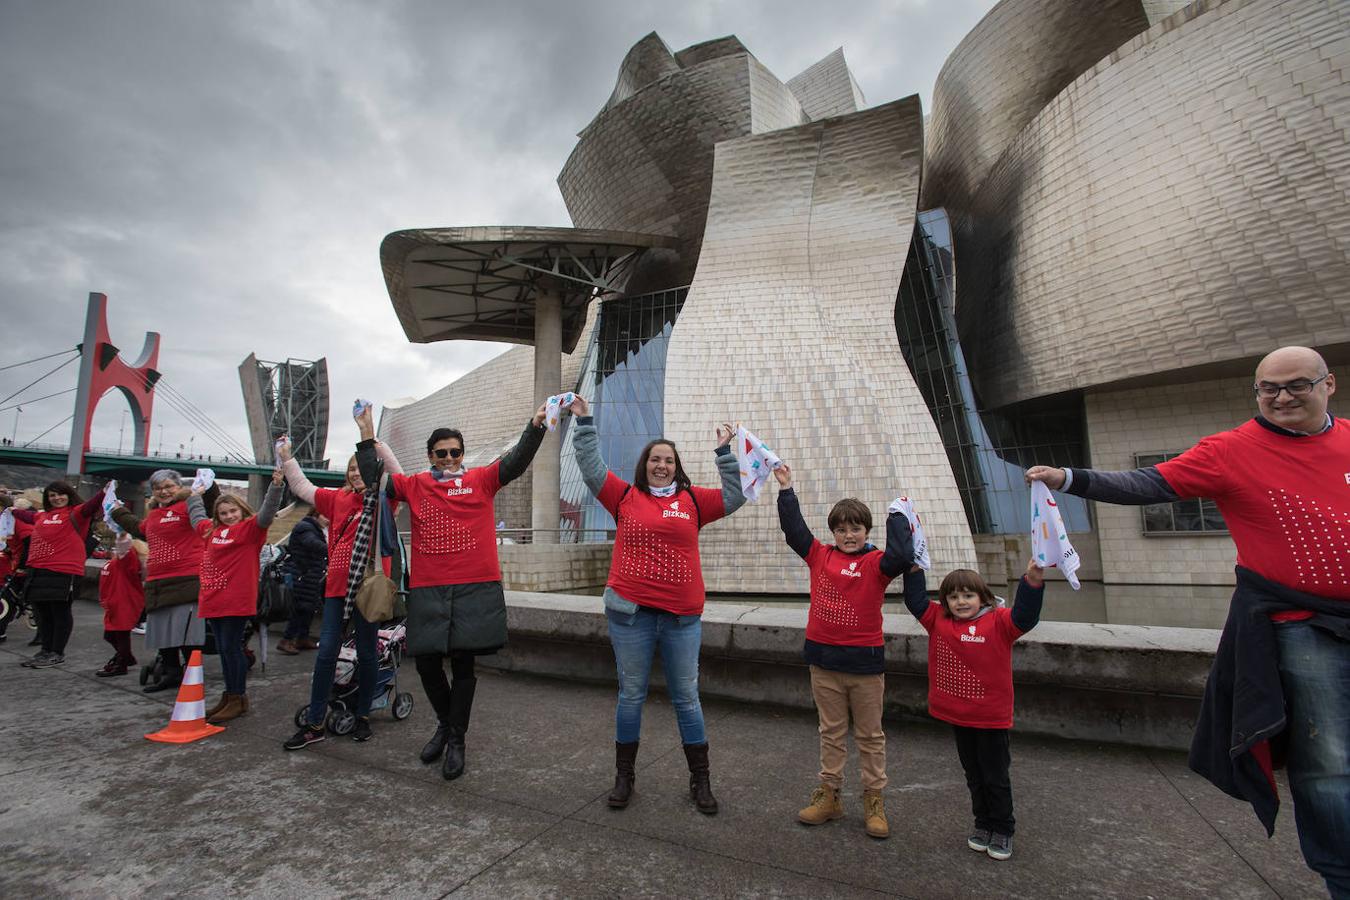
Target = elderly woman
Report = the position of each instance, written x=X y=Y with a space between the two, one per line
x=654 y=596
x=172 y=579
x=56 y=557
x=342 y=508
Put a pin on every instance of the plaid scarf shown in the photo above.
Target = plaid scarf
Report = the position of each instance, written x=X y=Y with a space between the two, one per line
x=361 y=547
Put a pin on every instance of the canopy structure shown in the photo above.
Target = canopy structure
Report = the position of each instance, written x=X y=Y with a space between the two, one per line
x=516 y=285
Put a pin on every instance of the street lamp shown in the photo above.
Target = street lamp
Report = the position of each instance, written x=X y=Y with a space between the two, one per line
x=160 y=451
x=121 y=431
x=14 y=436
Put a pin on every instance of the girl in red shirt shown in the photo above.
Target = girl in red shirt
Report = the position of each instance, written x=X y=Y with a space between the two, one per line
x=970 y=640
x=654 y=596
x=234 y=538
x=56 y=557
x=121 y=593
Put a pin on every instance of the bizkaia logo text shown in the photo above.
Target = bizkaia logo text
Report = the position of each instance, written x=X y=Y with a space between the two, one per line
x=972 y=637
x=674 y=510
x=459 y=489
x=852 y=570
x=222 y=537
x=170 y=516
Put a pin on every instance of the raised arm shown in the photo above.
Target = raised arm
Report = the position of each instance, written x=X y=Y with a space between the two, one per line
x=916 y=592
x=899 y=554
x=89 y=510
x=1136 y=487
x=517 y=459
x=128 y=521
x=733 y=498
x=300 y=486
x=196 y=510
x=795 y=530
x=1026 y=611
x=268 y=511
x=586 y=443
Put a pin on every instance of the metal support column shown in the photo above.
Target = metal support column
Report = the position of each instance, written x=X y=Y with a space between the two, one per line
x=545 y=487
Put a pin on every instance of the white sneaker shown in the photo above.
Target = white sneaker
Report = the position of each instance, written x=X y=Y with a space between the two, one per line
x=139 y=629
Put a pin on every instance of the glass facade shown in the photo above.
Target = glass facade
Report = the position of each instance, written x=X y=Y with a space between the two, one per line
x=988 y=451
x=623 y=374
x=1183 y=516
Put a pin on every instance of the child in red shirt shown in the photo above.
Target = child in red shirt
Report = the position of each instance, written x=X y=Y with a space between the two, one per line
x=844 y=644
x=121 y=593
x=970 y=640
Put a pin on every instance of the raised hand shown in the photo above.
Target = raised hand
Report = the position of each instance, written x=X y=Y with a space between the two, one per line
x=1035 y=574
x=277 y=476
x=1054 y=478
x=540 y=414
x=784 y=475
x=283 y=450
x=725 y=432
x=366 y=422
x=579 y=406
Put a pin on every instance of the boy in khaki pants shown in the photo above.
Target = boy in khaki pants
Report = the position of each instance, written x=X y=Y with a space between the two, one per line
x=844 y=644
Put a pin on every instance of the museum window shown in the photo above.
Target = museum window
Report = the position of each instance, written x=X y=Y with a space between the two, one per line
x=1189 y=517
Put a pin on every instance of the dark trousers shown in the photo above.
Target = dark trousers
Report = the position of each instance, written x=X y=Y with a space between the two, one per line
x=55 y=623
x=121 y=644
x=451 y=700
x=229 y=632
x=306 y=602
x=985 y=757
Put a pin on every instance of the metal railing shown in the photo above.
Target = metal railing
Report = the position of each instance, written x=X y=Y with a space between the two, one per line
x=526 y=535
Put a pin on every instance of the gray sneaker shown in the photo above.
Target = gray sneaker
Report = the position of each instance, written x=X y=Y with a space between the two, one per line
x=978 y=840
x=1000 y=846
x=35 y=659
x=49 y=660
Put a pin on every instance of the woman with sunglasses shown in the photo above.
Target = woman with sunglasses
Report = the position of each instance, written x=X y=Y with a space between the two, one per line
x=342 y=507
x=456 y=607
x=654 y=596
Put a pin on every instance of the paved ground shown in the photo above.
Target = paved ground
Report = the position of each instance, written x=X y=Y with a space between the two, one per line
x=90 y=809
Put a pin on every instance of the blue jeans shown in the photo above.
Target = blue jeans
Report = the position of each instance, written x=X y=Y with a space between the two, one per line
x=635 y=637
x=1315 y=674
x=325 y=661
x=229 y=634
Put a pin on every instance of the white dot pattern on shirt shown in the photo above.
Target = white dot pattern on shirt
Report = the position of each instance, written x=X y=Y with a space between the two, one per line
x=440 y=532
x=212 y=576
x=646 y=556
x=39 y=547
x=833 y=607
x=951 y=675
x=1318 y=538
x=162 y=552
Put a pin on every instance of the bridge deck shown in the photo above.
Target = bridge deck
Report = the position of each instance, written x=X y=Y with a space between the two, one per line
x=107 y=464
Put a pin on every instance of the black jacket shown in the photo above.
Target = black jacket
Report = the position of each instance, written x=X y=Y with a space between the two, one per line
x=1244 y=701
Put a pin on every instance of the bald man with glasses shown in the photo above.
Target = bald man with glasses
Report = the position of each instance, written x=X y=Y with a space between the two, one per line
x=1280 y=686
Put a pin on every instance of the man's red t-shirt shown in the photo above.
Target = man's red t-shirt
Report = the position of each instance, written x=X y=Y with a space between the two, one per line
x=847 y=590
x=454 y=532
x=175 y=547
x=970 y=667
x=656 y=561
x=230 y=568
x=1286 y=501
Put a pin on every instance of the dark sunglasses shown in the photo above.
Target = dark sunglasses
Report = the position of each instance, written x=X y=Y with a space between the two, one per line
x=453 y=453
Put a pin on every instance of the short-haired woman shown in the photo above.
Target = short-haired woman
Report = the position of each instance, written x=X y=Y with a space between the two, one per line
x=172 y=576
x=56 y=557
x=654 y=596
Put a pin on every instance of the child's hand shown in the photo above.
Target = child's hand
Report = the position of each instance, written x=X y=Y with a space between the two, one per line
x=579 y=406
x=725 y=432
x=277 y=476
x=784 y=475
x=1035 y=575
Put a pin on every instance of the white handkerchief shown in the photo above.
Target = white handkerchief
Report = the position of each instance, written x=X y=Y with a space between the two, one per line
x=205 y=478
x=283 y=443
x=554 y=407
x=110 y=502
x=1049 y=540
x=757 y=463
x=360 y=406
x=6 y=524
x=906 y=506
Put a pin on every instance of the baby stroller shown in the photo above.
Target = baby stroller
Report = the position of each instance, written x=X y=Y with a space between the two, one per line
x=391 y=644
x=12 y=606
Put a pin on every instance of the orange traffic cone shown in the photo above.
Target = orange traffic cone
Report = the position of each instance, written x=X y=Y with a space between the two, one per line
x=189 y=711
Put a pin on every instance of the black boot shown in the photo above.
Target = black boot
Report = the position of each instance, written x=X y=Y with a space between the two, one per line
x=436 y=746
x=461 y=702
x=625 y=755
x=171 y=674
x=700 y=787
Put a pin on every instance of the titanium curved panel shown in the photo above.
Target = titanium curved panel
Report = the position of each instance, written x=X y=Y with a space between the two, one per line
x=807 y=233
x=827 y=88
x=1217 y=226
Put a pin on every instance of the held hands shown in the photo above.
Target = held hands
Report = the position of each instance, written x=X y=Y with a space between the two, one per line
x=579 y=406
x=725 y=432
x=283 y=451
x=784 y=475
x=1035 y=575
x=277 y=477
x=1054 y=478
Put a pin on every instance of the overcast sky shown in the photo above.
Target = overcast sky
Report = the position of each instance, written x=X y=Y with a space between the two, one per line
x=225 y=171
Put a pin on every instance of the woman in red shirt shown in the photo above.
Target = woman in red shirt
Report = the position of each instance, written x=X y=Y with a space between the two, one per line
x=654 y=596
x=121 y=593
x=234 y=538
x=56 y=557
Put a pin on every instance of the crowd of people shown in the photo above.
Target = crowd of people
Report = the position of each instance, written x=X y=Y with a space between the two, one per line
x=1279 y=691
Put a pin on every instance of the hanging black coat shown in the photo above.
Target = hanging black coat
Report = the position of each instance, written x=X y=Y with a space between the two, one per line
x=308 y=561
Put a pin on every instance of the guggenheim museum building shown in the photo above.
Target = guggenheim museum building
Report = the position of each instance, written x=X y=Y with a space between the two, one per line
x=1075 y=257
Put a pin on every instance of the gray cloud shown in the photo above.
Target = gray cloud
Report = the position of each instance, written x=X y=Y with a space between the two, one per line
x=225 y=171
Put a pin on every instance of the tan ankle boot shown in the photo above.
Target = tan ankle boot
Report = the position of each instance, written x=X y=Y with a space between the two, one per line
x=233 y=709
x=825 y=806
x=874 y=815
x=220 y=704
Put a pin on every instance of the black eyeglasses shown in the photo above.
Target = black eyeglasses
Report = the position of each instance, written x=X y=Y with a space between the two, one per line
x=1301 y=388
x=453 y=453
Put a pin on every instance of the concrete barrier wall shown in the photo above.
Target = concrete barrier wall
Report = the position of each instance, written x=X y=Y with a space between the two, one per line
x=554 y=567
x=1117 y=683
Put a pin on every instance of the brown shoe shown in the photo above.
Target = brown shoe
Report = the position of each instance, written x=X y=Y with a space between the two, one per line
x=307 y=643
x=233 y=709
x=220 y=704
x=287 y=646
x=825 y=806
x=874 y=815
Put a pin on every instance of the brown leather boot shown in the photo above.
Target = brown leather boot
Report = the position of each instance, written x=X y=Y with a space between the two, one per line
x=874 y=815
x=625 y=755
x=287 y=646
x=825 y=806
x=700 y=783
x=220 y=704
x=233 y=709
x=307 y=643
